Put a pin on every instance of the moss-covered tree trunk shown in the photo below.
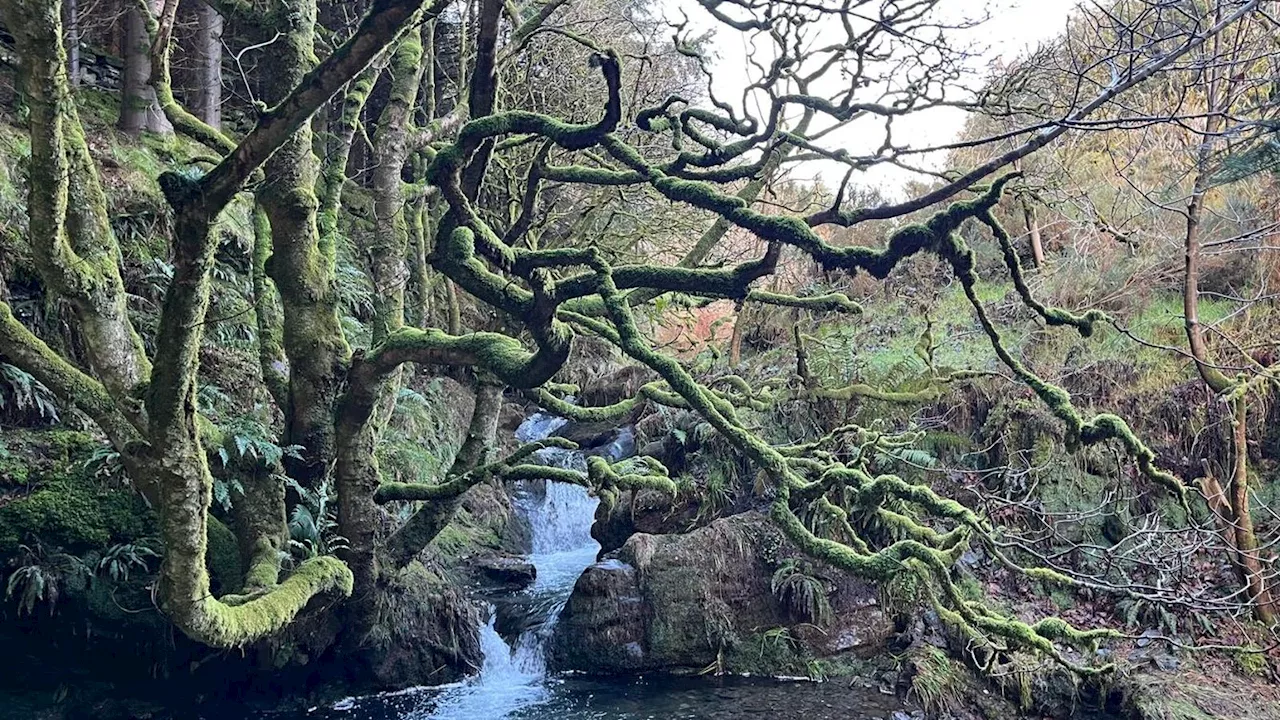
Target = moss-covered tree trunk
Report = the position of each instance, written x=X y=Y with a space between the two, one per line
x=70 y=233
x=148 y=409
x=359 y=517
x=302 y=261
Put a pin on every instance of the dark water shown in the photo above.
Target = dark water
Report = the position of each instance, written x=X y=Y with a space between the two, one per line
x=659 y=698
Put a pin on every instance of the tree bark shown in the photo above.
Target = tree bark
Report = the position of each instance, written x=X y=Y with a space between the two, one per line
x=356 y=468
x=267 y=314
x=139 y=106
x=1033 y=232
x=208 y=48
x=72 y=11
x=301 y=266
x=735 y=340
x=1242 y=518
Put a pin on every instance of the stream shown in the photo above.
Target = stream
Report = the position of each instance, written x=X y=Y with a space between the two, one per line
x=514 y=682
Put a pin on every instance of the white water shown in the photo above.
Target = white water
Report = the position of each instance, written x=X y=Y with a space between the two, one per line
x=512 y=679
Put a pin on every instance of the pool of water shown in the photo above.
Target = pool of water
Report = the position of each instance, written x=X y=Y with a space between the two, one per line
x=655 y=698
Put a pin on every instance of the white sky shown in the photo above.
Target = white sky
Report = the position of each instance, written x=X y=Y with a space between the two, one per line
x=1015 y=27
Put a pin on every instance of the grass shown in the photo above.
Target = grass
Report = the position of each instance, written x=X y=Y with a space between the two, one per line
x=935 y=684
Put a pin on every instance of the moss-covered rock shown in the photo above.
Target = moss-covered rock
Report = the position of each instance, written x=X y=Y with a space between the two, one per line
x=426 y=631
x=28 y=456
x=75 y=516
x=50 y=496
x=686 y=602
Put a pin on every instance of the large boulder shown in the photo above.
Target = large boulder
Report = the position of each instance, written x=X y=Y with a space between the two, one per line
x=686 y=602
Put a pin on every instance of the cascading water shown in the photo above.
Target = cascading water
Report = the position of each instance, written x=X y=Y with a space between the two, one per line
x=513 y=683
x=513 y=678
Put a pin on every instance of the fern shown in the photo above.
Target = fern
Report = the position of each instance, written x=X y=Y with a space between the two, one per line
x=19 y=390
x=246 y=438
x=313 y=524
x=120 y=559
x=104 y=463
x=42 y=577
x=803 y=594
x=915 y=457
x=222 y=490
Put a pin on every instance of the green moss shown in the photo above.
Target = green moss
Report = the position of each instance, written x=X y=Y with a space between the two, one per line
x=771 y=652
x=462 y=536
x=1251 y=663
x=241 y=620
x=14 y=470
x=62 y=507
x=74 y=516
x=222 y=556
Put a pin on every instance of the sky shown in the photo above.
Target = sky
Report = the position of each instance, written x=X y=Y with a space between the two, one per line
x=1015 y=27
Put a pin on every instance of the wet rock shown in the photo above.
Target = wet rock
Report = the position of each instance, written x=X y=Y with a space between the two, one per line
x=493 y=522
x=587 y=434
x=620 y=447
x=647 y=511
x=509 y=573
x=607 y=599
x=606 y=439
x=426 y=631
x=682 y=602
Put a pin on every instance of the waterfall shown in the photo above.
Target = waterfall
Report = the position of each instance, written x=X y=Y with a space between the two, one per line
x=513 y=678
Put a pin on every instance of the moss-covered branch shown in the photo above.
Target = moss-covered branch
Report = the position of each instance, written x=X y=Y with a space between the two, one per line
x=1084 y=323
x=238 y=621
x=828 y=302
x=22 y=348
x=458 y=484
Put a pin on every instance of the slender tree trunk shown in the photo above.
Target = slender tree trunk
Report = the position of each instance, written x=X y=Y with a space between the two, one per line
x=1191 y=287
x=1217 y=98
x=260 y=528
x=267 y=314
x=735 y=340
x=1242 y=518
x=455 y=307
x=208 y=48
x=139 y=108
x=419 y=270
x=357 y=469
x=1033 y=232
x=72 y=12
